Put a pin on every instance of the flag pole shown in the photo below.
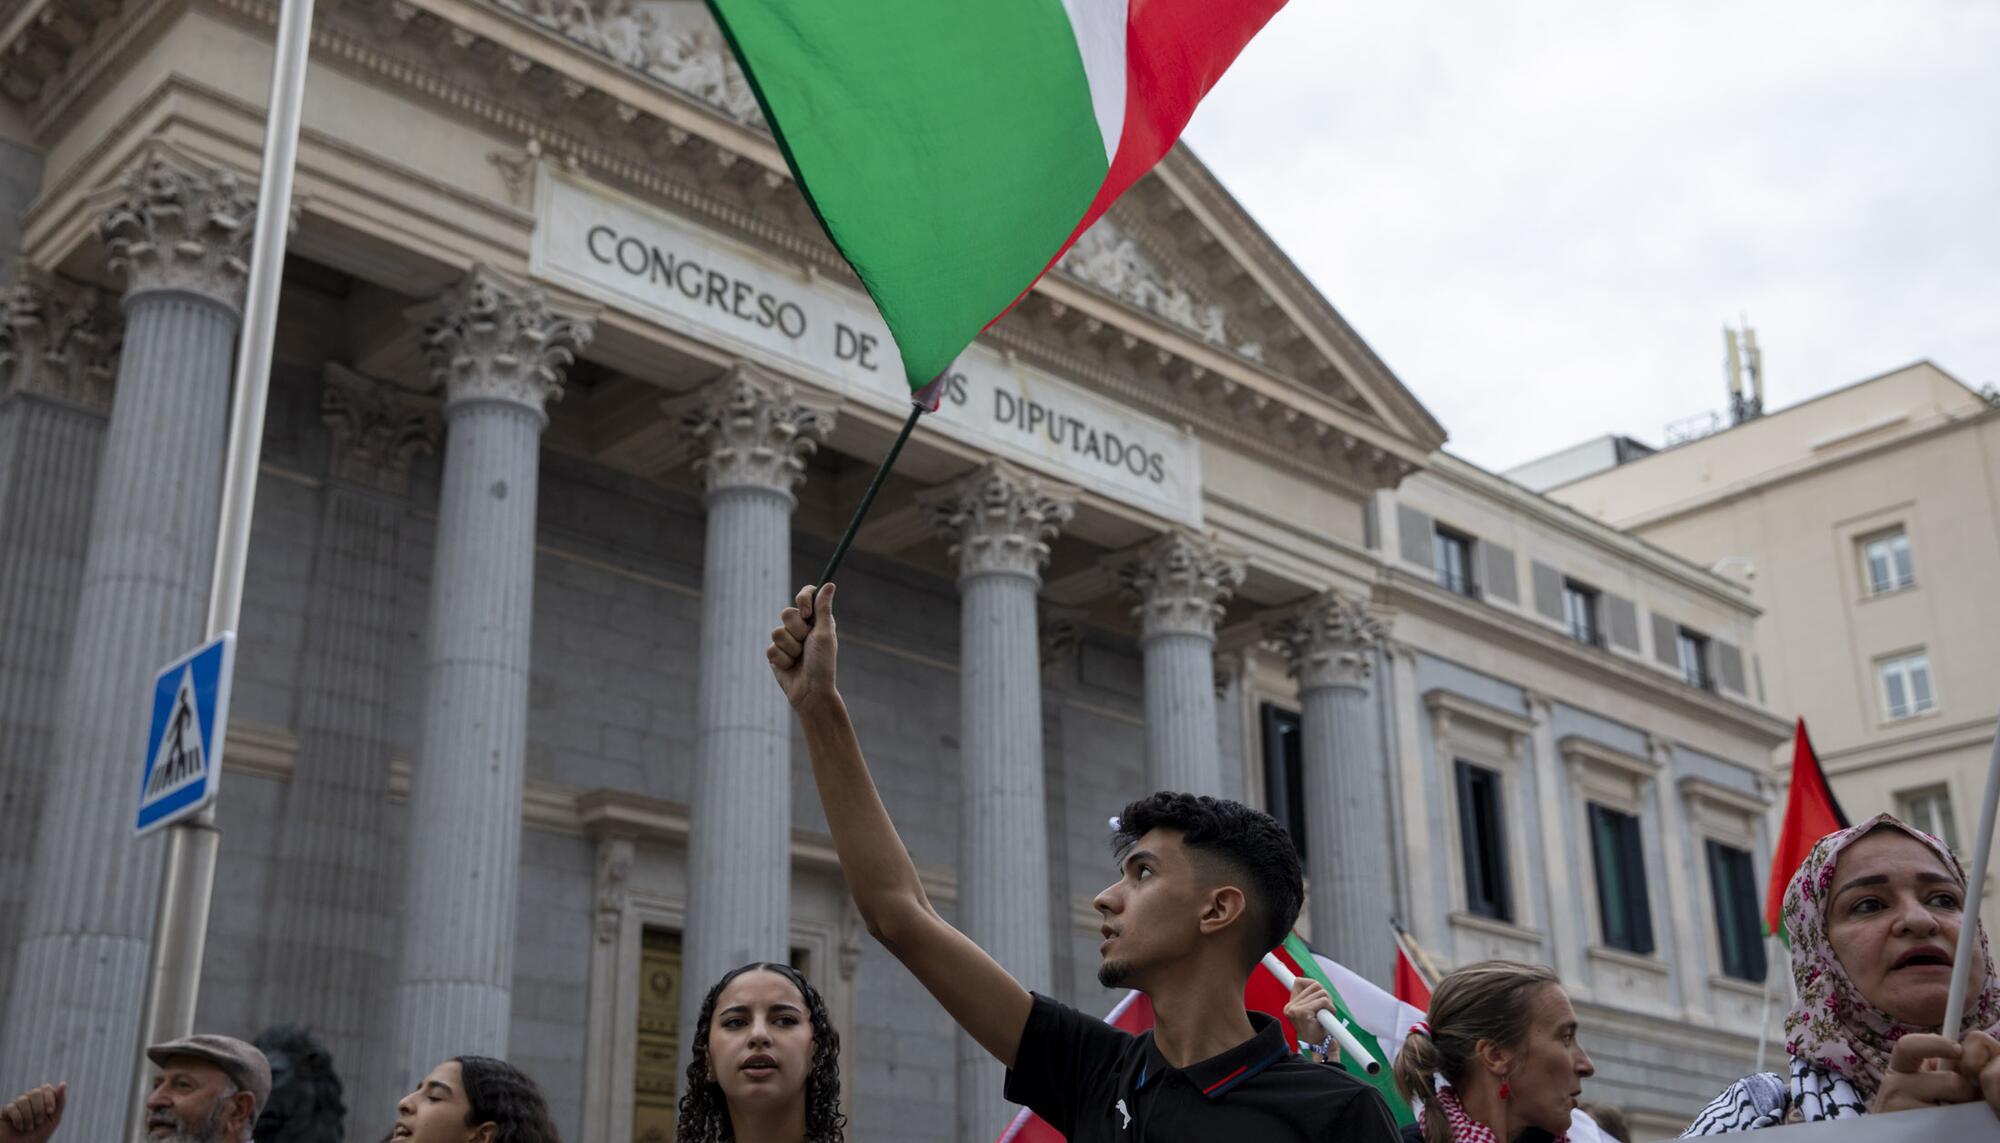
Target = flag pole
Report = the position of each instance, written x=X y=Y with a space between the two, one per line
x=868 y=498
x=1348 y=1044
x=1968 y=930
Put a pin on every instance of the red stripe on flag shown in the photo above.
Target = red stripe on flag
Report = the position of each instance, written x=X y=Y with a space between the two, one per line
x=1410 y=986
x=1175 y=51
x=1810 y=814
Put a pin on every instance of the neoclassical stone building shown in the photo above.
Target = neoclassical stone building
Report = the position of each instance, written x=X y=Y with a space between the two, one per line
x=570 y=395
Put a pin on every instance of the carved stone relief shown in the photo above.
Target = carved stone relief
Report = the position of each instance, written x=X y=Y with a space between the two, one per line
x=1108 y=258
x=676 y=41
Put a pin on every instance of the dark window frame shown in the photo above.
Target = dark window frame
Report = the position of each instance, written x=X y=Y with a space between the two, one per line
x=1482 y=835
x=1283 y=734
x=1464 y=579
x=1695 y=650
x=1624 y=904
x=1739 y=922
x=1591 y=604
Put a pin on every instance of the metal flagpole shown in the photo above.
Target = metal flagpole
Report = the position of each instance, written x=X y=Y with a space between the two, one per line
x=187 y=881
x=1975 y=893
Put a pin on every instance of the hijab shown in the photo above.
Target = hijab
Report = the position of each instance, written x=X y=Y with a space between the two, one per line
x=1832 y=1026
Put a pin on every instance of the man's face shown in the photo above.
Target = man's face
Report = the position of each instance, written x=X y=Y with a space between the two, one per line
x=193 y=1101
x=1152 y=913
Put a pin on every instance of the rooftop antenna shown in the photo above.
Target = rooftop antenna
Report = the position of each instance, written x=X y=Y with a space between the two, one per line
x=1746 y=402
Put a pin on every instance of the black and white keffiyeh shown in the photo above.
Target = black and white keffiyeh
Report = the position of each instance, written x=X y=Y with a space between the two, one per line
x=1764 y=1100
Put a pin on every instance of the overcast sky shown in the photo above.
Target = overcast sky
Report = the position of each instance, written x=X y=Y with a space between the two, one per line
x=1541 y=213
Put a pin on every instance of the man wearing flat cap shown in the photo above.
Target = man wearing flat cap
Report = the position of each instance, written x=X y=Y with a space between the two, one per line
x=209 y=1090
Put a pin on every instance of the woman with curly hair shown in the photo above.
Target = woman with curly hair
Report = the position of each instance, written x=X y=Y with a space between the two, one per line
x=765 y=1067
x=474 y=1099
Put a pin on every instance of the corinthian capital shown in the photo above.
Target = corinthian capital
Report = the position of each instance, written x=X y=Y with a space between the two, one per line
x=750 y=430
x=495 y=339
x=179 y=228
x=376 y=429
x=1181 y=581
x=1329 y=642
x=998 y=519
x=60 y=340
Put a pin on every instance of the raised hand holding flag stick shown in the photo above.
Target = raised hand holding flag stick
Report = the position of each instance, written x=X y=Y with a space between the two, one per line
x=1350 y=1046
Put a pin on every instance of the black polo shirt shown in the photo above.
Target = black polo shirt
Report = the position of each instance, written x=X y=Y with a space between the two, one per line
x=1098 y=1084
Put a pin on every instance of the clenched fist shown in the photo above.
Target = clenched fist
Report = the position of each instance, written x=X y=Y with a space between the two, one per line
x=803 y=647
x=33 y=1117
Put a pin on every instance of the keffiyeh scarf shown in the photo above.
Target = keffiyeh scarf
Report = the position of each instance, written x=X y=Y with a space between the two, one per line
x=1464 y=1128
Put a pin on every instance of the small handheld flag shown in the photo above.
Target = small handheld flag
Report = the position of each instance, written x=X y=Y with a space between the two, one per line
x=1810 y=814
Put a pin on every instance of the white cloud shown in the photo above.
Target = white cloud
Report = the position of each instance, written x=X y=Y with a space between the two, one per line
x=1541 y=214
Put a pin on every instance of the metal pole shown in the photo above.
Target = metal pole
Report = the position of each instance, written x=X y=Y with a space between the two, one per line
x=1975 y=892
x=187 y=881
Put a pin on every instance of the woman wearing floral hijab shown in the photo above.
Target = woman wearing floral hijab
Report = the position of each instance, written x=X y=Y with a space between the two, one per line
x=1873 y=918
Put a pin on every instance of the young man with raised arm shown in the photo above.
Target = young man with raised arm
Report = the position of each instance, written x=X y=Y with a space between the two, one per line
x=1205 y=887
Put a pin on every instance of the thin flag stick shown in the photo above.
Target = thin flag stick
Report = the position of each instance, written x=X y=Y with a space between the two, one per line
x=1968 y=930
x=1327 y=1020
x=868 y=497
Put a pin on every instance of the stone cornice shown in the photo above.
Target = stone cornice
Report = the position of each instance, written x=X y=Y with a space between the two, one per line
x=1417 y=595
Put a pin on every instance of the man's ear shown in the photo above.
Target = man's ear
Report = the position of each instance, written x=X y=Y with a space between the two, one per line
x=1224 y=906
x=483 y=1133
x=242 y=1112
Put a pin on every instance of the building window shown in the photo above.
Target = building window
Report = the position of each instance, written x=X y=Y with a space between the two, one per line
x=1886 y=559
x=1694 y=660
x=1482 y=835
x=1452 y=554
x=1738 y=926
x=1906 y=685
x=1929 y=810
x=1580 y=610
x=1284 y=773
x=1621 y=880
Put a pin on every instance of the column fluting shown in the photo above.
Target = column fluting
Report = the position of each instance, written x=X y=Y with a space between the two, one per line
x=1181 y=582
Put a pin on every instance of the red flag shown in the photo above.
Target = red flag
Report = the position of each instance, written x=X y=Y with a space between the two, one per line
x=1410 y=986
x=1810 y=814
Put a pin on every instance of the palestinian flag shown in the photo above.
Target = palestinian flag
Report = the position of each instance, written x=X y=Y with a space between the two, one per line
x=1810 y=814
x=1376 y=1017
x=953 y=151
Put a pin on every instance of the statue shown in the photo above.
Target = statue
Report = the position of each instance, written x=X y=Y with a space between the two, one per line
x=305 y=1102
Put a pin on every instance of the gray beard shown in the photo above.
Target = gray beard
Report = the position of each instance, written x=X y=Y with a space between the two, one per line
x=209 y=1132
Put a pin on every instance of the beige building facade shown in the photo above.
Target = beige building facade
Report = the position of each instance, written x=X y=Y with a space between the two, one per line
x=570 y=392
x=1866 y=523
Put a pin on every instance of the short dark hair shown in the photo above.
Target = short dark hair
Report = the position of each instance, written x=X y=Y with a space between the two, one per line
x=1249 y=842
x=499 y=1093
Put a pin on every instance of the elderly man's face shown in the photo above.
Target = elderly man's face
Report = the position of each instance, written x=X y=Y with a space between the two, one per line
x=193 y=1101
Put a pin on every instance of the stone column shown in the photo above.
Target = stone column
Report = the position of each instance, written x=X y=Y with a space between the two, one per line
x=999 y=521
x=331 y=895
x=58 y=355
x=752 y=435
x=179 y=236
x=1331 y=645
x=1181 y=581
x=498 y=353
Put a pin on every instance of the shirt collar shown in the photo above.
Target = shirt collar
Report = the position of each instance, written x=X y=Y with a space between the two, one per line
x=1221 y=1074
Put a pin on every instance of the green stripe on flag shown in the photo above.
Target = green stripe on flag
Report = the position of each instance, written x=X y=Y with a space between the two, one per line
x=1384 y=1081
x=915 y=127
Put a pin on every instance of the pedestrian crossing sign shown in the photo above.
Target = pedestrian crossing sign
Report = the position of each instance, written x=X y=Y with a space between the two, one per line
x=184 y=737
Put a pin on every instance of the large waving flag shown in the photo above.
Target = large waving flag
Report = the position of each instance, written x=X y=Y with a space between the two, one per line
x=1810 y=814
x=954 y=150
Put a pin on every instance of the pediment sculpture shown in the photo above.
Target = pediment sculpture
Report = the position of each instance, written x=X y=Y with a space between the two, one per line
x=676 y=41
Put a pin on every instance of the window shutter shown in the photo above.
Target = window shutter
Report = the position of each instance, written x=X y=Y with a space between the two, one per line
x=1548 y=586
x=1667 y=641
x=1622 y=620
x=1414 y=535
x=1498 y=577
x=1728 y=667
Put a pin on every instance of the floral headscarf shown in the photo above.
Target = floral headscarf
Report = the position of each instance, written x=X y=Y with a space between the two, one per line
x=1833 y=1025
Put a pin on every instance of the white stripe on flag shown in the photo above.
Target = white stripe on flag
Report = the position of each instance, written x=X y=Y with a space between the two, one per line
x=1099 y=27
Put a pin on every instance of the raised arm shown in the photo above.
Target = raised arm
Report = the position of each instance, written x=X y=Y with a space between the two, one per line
x=980 y=995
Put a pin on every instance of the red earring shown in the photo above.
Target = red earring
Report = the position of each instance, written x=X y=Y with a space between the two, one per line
x=1505 y=1092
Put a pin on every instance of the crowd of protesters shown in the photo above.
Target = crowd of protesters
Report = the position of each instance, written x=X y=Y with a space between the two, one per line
x=1205 y=887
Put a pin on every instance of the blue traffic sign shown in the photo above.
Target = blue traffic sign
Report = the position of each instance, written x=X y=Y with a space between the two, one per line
x=184 y=735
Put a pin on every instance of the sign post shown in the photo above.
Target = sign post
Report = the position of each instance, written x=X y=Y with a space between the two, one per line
x=187 y=879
